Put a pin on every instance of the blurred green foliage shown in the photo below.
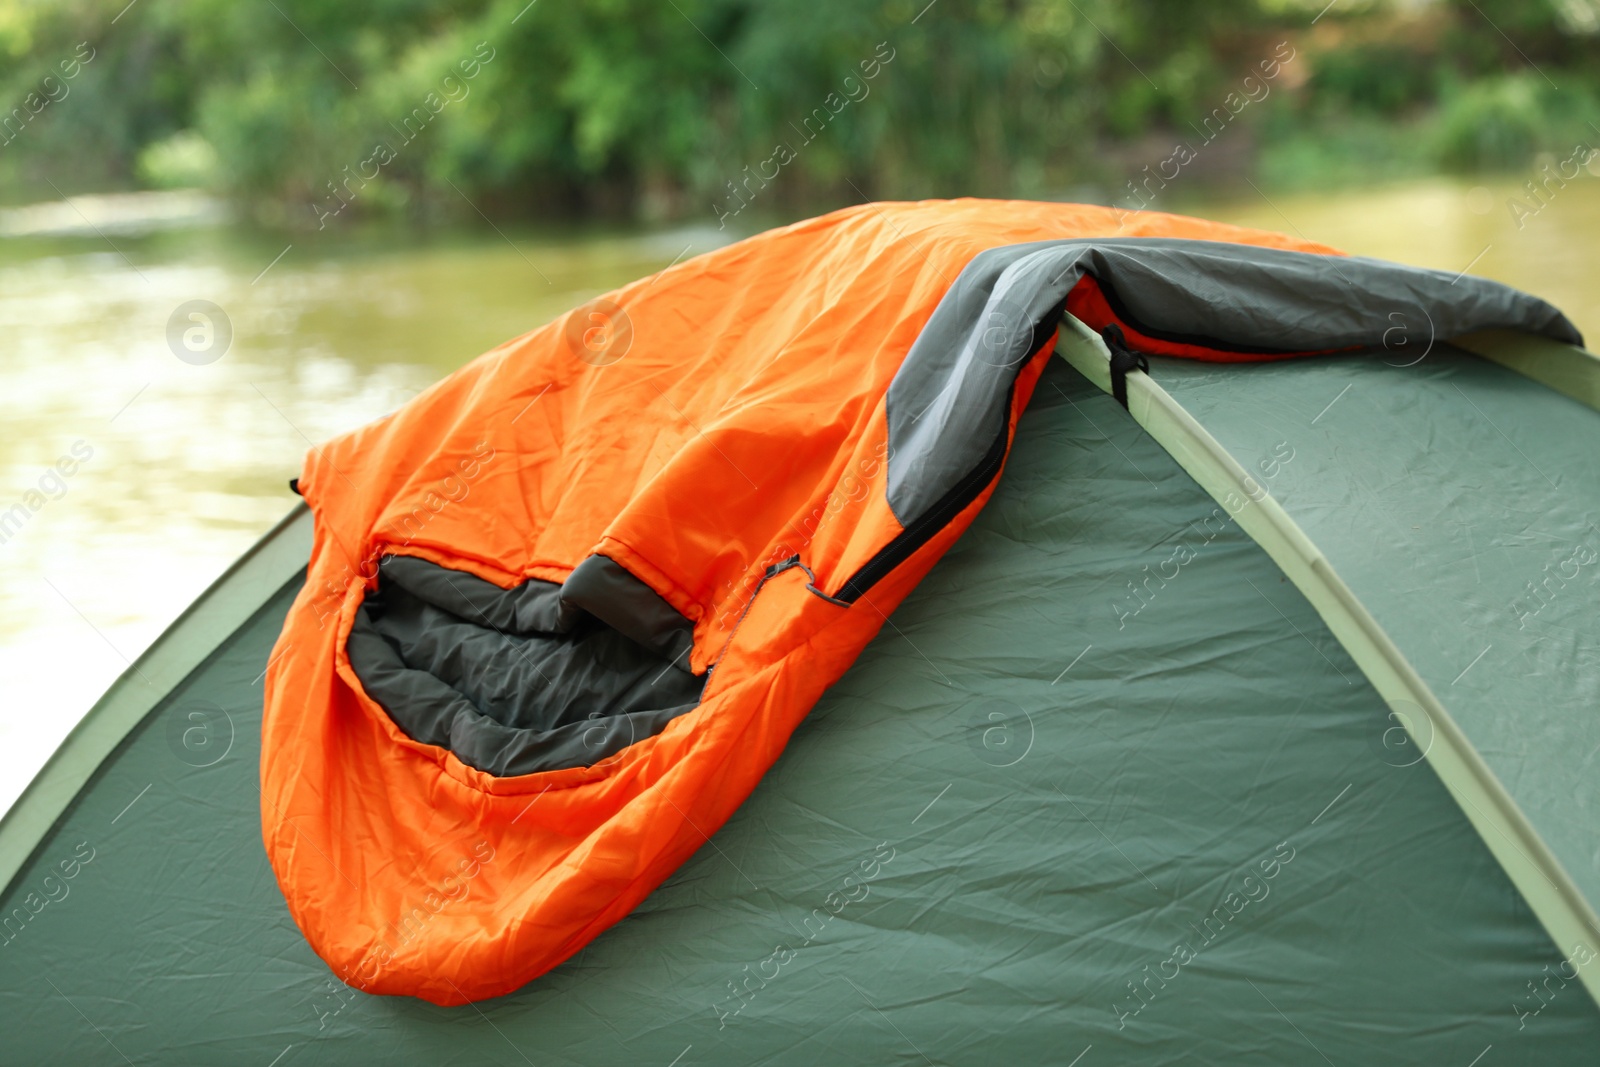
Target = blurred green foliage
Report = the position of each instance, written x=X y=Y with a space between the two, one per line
x=309 y=111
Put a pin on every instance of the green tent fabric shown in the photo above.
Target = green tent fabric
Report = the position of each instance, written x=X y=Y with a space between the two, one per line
x=1455 y=483
x=1059 y=812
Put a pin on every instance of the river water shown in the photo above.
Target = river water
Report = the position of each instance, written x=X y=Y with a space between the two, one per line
x=178 y=465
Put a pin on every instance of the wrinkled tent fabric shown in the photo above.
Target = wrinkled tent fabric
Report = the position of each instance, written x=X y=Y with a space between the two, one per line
x=748 y=452
x=973 y=779
x=1451 y=481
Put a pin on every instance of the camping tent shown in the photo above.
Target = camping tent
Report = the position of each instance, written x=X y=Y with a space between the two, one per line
x=1253 y=724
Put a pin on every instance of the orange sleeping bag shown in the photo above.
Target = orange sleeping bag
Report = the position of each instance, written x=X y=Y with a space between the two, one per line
x=565 y=608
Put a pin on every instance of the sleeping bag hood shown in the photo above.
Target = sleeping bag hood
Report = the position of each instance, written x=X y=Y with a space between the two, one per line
x=565 y=607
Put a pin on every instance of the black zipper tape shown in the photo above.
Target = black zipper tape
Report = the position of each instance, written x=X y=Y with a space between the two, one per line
x=964 y=492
